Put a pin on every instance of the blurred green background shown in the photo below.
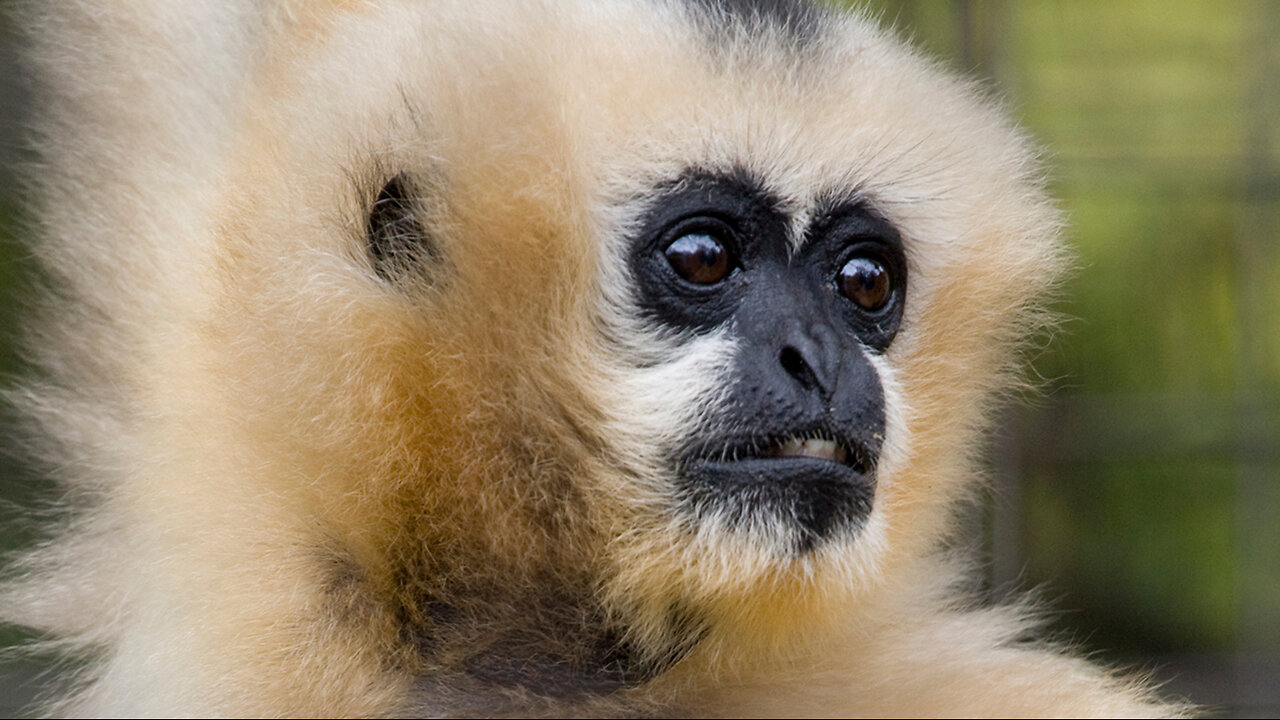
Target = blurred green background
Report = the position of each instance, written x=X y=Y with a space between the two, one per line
x=1142 y=493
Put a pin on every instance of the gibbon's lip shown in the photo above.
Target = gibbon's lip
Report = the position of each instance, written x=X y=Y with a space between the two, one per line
x=813 y=446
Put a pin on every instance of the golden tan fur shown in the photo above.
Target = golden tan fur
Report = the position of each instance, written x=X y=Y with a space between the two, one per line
x=285 y=460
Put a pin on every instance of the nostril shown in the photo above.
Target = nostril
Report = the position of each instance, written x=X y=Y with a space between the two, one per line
x=793 y=362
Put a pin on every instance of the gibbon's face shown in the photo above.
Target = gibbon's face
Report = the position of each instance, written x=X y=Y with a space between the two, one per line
x=685 y=308
x=790 y=446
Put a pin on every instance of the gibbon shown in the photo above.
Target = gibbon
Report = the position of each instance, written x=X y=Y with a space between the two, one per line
x=525 y=357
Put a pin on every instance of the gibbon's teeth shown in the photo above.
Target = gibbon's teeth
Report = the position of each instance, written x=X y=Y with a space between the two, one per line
x=810 y=447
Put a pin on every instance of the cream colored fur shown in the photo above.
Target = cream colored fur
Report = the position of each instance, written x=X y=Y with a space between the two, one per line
x=275 y=456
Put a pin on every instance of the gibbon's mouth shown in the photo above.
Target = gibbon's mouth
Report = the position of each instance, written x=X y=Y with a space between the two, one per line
x=810 y=482
x=818 y=448
x=811 y=446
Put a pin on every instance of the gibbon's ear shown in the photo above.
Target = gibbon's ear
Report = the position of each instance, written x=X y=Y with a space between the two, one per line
x=397 y=233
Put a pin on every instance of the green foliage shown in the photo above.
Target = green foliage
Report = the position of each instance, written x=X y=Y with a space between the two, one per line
x=1142 y=547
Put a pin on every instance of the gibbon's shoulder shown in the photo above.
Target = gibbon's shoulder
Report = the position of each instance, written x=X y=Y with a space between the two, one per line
x=508 y=358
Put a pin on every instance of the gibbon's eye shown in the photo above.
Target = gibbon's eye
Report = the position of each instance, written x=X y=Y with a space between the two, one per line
x=700 y=258
x=866 y=282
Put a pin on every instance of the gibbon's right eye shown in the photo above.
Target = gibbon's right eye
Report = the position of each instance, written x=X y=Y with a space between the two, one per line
x=700 y=257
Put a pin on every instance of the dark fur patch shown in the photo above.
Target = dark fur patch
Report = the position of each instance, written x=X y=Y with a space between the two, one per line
x=542 y=637
x=398 y=239
x=524 y=660
x=799 y=19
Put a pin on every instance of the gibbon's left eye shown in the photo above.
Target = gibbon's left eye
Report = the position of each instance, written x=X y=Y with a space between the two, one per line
x=866 y=282
x=700 y=258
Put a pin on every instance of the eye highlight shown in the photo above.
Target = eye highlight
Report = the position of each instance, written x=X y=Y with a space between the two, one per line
x=866 y=282
x=700 y=258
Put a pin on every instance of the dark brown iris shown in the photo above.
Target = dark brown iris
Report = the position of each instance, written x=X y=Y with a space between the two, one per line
x=699 y=258
x=866 y=282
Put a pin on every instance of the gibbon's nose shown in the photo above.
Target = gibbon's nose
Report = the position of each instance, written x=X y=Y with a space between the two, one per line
x=811 y=355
